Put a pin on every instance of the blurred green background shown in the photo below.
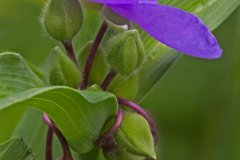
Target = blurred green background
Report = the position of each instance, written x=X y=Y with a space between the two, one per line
x=197 y=103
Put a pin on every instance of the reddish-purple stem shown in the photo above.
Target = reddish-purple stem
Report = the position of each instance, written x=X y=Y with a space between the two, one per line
x=92 y=55
x=70 y=51
x=66 y=151
x=113 y=129
x=48 y=150
x=142 y=112
x=107 y=81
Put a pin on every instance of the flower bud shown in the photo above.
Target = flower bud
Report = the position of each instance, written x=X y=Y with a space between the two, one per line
x=100 y=66
x=63 y=19
x=63 y=71
x=135 y=136
x=125 y=52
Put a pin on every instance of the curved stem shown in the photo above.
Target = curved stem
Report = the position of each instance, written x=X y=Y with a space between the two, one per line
x=115 y=127
x=66 y=151
x=92 y=55
x=107 y=81
x=70 y=51
x=143 y=113
x=48 y=150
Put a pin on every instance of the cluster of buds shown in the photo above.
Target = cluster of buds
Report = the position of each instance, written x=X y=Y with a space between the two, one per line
x=111 y=62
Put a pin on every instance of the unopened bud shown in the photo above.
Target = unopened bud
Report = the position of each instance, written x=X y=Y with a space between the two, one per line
x=135 y=136
x=63 y=71
x=63 y=19
x=125 y=52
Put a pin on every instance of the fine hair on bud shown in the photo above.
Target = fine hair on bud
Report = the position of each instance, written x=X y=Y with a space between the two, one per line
x=62 y=19
x=125 y=52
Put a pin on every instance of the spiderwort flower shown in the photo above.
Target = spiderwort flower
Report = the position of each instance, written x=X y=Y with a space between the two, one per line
x=176 y=28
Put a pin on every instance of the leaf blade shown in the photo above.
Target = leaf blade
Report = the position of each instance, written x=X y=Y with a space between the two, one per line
x=15 y=76
x=77 y=114
x=15 y=149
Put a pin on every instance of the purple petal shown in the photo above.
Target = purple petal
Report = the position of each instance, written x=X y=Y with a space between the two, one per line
x=124 y=1
x=174 y=27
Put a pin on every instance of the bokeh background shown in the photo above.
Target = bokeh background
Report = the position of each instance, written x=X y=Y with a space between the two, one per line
x=197 y=103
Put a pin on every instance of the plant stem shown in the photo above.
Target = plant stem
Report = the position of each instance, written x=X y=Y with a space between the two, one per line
x=115 y=127
x=66 y=151
x=143 y=113
x=107 y=81
x=48 y=150
x=70 y=51
x=92 y=55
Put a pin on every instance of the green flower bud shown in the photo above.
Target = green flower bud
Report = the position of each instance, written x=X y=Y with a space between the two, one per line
x=135 y=136
x=100 y=66
x=63 y=19
x=125 y=52
x=63 y=71
x=125 y=86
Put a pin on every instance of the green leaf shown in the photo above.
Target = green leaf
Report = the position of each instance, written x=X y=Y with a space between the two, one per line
x=15 y=149
x=135 y=136
x=159 y=57
x=33 y=131
x=15 y=76
x=80 y=115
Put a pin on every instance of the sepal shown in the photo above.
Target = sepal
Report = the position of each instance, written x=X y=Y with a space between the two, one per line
x=63 y=71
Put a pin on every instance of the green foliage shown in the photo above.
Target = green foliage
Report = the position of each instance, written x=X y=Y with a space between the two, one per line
x=63 y=19
x=15 y=76
x=63 y=71
x=85 y=106
x=32 y=130
x=135 y=136
x=80 y=115
x=15 y=149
